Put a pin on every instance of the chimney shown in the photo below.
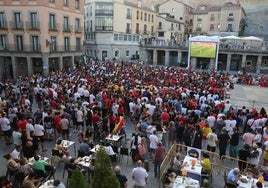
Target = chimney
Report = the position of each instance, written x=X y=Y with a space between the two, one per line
x=139 y=3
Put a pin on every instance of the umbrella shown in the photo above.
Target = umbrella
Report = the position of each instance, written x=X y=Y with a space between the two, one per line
x=252 y=38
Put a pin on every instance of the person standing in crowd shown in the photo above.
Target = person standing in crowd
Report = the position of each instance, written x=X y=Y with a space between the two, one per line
x=198 y=137
x=122 y=178
x=160 y=154
x=139 y=176
x=234 y=141
x=212 y=140
x=6 y=128
x=223 y=141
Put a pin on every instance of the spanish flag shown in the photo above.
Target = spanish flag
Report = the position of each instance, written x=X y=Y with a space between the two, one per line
x=119 y=125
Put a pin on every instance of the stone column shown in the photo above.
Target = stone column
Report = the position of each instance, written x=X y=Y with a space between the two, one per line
x=228 y=63
x=259 y=60
x=166 y=57
x=179 y=57
x=29 y=66
x=193 y=62
x=244 y=58
x=154 y=57
x=45 y=64
x=14 y=66
x=211 y=64
x=60 y=63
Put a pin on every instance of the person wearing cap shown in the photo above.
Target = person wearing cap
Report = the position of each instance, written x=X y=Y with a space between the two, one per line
x=233 y=177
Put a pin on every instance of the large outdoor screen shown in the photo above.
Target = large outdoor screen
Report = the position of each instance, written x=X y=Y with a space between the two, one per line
x=203 y=49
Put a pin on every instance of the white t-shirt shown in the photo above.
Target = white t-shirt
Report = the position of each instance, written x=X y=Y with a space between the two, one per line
x=153 y=141
x=39 y=130
x=139 y=175
x=211 y=139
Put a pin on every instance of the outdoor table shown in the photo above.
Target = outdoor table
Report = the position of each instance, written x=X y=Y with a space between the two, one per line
x=187 y=182
x=48 y=184
x=195 y=172
x=251 y=183
x=95 y=149
x=32 y=160
x=116 y=139
x=67 y=144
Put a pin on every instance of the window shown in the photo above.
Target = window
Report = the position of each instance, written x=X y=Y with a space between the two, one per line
x=66 y=43
x=19 y=42
x=18 y=21
x=78 y=44
x=145 y=29
x=34 y=23
x=160 y=25
x=77 y=25
x=145 y=16
x=138 y=14
x=66 y=24
x=52 y=22
x=211 y=27
x=116 y=53
x=137 y=28
x=35 y=43
x=53 y=44
x=65 y=3
x=3 y=22
x=127 y=53
x=3 y=42
x=77 y=4
x=128 y=14
x=212 y=17
x=128 y=28
x=141 y=15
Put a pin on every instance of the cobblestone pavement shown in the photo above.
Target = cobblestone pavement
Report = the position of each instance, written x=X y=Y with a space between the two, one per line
x=245 y=94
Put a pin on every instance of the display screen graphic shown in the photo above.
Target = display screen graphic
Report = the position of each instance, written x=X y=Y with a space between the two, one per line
x=203 y=49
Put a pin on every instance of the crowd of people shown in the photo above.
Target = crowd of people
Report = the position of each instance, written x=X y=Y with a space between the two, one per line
x=167 y=105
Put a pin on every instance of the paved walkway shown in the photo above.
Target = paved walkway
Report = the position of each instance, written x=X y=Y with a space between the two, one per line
x=240 y=95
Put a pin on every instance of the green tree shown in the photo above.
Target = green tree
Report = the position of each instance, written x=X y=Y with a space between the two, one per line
x=103 y=174
x=77 y=180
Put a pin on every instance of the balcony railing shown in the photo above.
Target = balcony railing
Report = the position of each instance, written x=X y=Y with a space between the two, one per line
x=104 y=28
x=33 y=26
x=79 y=29
x=17 y=25
x=198 y=29
x=53 y=27
x=3 y=25
x=128 y=31
x=230 y=18
x=67 y=28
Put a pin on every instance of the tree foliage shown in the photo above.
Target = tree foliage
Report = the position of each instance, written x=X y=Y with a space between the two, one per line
x=103 y=174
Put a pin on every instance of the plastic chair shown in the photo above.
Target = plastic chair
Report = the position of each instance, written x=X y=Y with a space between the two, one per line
x=124 y=152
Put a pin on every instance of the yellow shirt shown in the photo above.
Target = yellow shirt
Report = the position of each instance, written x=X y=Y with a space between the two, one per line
x=206 y=164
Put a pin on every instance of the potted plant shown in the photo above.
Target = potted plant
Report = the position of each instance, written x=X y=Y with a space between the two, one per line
x=77 y=179
x=103 y=176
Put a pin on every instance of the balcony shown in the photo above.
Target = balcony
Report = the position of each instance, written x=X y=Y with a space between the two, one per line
x=128 y=31
x=104 y=28
x=198 y=29
x=79 y=29
x=3 y=25
x=230 y=18
x=54 y=27
x=33 y=25
x=66 y=28
x=17 y=25
x=129 y=16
